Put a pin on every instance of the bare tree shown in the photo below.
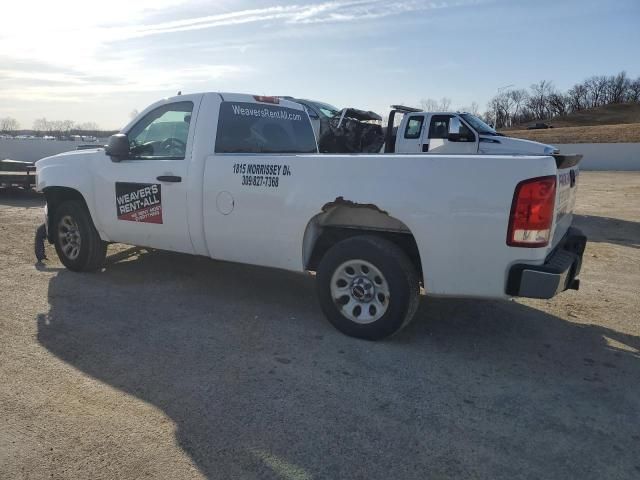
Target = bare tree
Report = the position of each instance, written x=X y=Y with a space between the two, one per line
x=474 y=109
x=617 y=87
x=489 y=116
x=518 y=99
x=9 y=124
x=41 y=125
x=633 y=91
x=558 y=104
x=501 y=105
x=429 y=105
x=597 y=89
x=88 y=126
x=538 y=101
x=56 y=126
x=66 y=125
x=445 y=104
x=578 y=97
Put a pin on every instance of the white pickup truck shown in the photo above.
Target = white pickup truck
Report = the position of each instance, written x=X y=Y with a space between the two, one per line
x=237 y=178
x=452 y=133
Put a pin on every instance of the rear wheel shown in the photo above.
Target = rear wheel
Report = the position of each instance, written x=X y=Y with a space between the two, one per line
x=367 y=287
x=76 y=239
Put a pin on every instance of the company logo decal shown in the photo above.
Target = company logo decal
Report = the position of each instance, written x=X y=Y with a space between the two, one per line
x=139 y=202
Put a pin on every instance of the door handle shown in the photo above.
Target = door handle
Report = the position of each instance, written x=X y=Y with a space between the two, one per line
x=169 y=178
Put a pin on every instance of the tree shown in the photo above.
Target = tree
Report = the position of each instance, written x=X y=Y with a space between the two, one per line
x=9 y=124
x=88 y=126
x=445 y=104
x=489 y=117
x=518 y=99
x=617 y=87
x=41 y=125
x=538 y=101
x=506 y=106
x=429 y=105
x=633 y=91
x=596 y=90
x=558 y=103
x=66 y=125
x=578 y=97
x=474 y=109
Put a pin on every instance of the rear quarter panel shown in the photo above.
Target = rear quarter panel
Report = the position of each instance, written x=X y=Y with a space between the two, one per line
x=456 y=206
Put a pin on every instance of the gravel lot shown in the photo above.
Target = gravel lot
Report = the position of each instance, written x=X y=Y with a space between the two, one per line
x=170 y=366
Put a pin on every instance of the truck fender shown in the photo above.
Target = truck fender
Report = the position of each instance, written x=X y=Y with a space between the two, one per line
x=58 y=183
x=341 y=219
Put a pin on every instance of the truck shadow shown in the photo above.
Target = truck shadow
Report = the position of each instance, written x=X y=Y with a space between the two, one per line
x=256 y=381
x=609 y=230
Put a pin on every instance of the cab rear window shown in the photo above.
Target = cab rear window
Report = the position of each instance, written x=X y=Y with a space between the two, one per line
x=258 y=128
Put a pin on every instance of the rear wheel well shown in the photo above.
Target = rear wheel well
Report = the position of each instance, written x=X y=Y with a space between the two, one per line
x=331 y=235
x=55 y=196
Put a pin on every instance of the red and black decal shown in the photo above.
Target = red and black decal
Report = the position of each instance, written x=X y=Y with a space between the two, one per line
x=139 y=202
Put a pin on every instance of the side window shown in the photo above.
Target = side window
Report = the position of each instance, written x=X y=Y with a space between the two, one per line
x=439 y=126
x=414 y=127
x=466 y=135
x=245 y=127
x=162 y=133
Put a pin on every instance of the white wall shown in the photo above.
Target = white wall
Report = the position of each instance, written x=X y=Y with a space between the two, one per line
x=597 y=156
x=605 y=156
x=32 y=150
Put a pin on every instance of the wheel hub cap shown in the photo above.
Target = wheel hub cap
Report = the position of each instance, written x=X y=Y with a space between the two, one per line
x=69 y=235
x=360 y=291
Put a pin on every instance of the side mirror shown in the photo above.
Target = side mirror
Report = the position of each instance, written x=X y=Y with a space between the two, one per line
x=118 y=147
x=454 y=129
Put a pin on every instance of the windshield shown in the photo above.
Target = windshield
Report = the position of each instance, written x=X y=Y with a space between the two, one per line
x=478 y=124
x=326 y=109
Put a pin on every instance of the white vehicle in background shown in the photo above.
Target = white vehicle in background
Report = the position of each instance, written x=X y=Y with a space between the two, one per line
x=452 y=133
x=237 y=177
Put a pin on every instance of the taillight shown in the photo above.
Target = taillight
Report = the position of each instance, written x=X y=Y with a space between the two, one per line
x=532 y=213
x=264 y=99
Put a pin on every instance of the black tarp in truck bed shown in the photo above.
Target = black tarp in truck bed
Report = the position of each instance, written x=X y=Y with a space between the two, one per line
x=350 y=132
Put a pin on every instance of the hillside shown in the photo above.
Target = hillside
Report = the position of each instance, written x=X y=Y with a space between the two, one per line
x=622 y=133
x=606 y=115
x=608 y=124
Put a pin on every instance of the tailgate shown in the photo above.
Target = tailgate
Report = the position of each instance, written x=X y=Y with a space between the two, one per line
x=567 y=186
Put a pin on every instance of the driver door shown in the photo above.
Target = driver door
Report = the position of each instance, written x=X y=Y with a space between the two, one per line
x=438 y=141
x=142 y=199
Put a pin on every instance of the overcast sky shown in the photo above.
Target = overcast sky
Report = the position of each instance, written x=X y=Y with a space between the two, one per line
x=97 y=61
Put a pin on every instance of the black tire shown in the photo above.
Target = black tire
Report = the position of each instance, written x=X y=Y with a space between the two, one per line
x=91 y=250
x=401 y=279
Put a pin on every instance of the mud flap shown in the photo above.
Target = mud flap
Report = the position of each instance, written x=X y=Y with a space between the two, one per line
x=38 y=244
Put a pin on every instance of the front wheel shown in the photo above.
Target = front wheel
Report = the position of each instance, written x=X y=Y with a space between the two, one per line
x=367 y=287
x=76 y=239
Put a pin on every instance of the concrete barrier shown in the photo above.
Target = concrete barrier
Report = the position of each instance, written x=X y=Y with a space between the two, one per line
x=605 y=156
x=35 y=149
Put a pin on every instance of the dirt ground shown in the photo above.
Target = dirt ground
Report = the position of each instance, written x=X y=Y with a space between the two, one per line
x=177 y=367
